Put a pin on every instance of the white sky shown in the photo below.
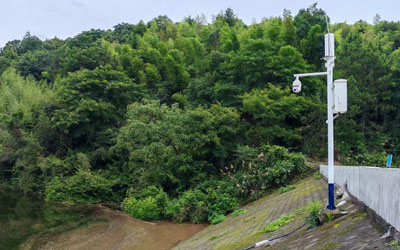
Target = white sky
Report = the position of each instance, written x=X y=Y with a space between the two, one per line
x=66 y=18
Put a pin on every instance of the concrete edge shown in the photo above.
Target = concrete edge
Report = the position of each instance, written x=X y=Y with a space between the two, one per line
x=372 y=215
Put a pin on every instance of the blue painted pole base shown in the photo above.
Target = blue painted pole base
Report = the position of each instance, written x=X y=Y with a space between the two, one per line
x=331 y=196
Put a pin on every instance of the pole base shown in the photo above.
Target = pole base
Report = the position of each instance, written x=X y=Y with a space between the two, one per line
x=331 y=196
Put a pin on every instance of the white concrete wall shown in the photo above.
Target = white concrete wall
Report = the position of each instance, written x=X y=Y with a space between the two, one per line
x=377 y=188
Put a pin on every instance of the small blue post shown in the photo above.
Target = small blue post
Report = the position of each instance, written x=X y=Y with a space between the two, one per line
x=389 y=161
x=331 y=196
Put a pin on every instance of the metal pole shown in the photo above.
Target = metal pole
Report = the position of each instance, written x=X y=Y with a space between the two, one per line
x=311 y=74
x=330 y=63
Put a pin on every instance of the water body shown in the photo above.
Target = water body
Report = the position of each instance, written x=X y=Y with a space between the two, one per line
x=23 y=216
x=28 y=222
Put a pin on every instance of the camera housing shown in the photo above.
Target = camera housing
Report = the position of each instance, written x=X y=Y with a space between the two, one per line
x=296 y=86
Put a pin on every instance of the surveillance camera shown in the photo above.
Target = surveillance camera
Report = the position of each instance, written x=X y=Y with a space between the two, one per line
x=296 y=86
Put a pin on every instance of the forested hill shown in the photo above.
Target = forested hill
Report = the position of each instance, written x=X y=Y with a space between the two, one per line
x=187 y=119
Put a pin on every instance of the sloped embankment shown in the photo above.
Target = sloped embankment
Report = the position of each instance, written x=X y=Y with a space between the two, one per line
x=118 y=232
x=353 y=230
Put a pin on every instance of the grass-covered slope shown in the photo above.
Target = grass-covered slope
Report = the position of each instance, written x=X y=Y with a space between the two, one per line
x=239 y=232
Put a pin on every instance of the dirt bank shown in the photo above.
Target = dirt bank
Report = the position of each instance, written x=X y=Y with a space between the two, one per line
x=119 y=232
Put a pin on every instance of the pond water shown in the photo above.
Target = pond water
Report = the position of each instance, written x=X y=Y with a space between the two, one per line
x=22 y=216
x=28 y=222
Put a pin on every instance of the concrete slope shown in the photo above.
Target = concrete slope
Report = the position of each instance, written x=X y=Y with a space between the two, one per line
x=352 y=230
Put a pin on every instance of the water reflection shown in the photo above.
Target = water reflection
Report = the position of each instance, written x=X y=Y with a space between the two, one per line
x=24 y=215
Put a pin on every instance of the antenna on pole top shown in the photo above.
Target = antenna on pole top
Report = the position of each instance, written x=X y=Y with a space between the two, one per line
x=329 y=41
x=327 y=22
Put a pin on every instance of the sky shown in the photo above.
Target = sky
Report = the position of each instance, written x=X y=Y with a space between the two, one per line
x=66 y=18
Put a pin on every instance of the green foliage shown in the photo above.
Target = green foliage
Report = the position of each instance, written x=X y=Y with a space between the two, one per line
x=173 y=147
x=394 y=244
x=286 y=188
x=191 y=206
x=238 y=212
x=149 y=204
x=215 y=219
x=278 y=115
x=223 y=204
x=313 y=210
x=329 y=217
x=219 y=235
x=22 y=107
x=84 y=186
x=275 y=225
x=317 y=175
x=306 y=18
x=103 y=94
x=188 y=119
x=262 y=168
x=144 y=209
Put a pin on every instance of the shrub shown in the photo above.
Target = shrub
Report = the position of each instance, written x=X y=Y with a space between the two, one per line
x=317 y=175
x=265 y=167
x=275 y=225
x=223 y=204
x=287 y=188
x=145 y=209
x=215 y=219
x=219 y=235
x=84 y=186
x=238 y=212
x=149 y=204
x=157 y=193
x=313 y=210
x=195 y=206
x=174 y=211
x=394 y=245
x=190 y=206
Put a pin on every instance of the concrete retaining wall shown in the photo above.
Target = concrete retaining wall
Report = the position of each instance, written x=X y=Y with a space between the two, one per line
x=377 y=188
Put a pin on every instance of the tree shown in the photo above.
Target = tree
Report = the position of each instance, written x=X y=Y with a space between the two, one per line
x=92 y=104
x=23 y=107
x=307 y=18
x=289 y=30
x=29 y=43
x=368 y=74
x=41 y=64
x=175 y=147
x=276 y=116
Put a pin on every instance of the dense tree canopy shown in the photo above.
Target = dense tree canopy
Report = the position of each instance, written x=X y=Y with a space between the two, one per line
x=188 y=118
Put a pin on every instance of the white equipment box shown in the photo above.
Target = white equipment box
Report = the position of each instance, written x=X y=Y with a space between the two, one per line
x=340 y=96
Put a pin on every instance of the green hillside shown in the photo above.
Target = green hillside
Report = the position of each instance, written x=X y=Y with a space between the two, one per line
x=185 y=121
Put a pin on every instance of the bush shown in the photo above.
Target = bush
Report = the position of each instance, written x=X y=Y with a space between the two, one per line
x=313 y=210
x=223 y=204
x=275 y=225
x=145 y=209
x=215 y=219
x=84 y=186
x=193 y=206
x=149 y=204
x=157 y=193
x=269 y=166
x=174 y=211
x=287 y=188
x=238 y=212
x=197 y=207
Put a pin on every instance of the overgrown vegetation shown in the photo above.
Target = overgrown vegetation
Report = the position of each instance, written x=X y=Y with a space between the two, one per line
x=317 y=175
x=313 y=210
x=286 y=188
x=219 y=235
x=275 y=225
x=394 y=244
x=183 y=121
x=238 y=212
